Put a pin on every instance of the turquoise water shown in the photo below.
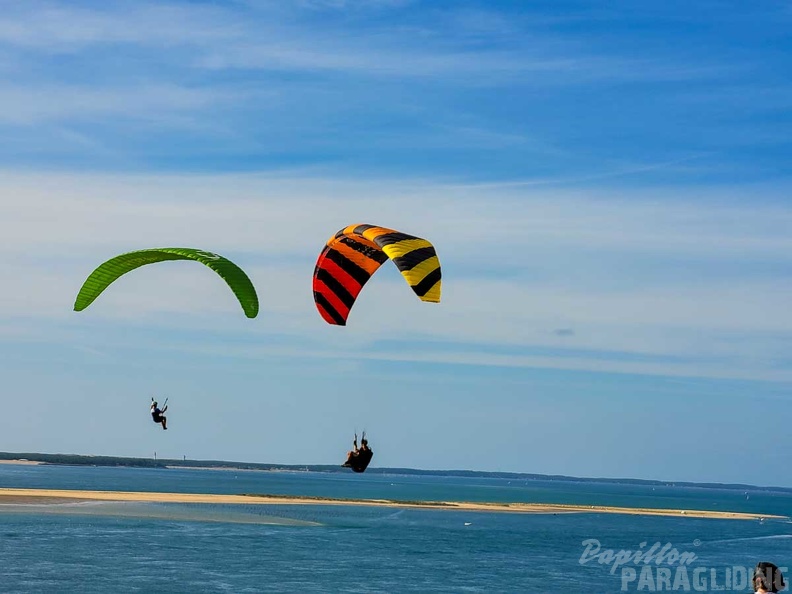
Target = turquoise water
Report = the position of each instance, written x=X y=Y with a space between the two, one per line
x=139 y=547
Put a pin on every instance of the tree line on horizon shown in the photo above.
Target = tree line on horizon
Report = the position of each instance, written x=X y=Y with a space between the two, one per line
x=85 y=460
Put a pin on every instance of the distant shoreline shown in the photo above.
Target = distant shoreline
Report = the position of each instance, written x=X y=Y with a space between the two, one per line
x=235 y=469
x=173 y=464
x=17 y=497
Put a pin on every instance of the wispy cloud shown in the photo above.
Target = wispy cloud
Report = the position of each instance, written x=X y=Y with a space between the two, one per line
x=482 y=93
x=55 y=27
x=23 y=105
x=272 y=38
x=522 y=268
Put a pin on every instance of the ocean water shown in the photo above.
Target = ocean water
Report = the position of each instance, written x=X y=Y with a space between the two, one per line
x=152 y=547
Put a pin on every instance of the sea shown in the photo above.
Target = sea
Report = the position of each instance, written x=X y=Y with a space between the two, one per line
x=108 y=547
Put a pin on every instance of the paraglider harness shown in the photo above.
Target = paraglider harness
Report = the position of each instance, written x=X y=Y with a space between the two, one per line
x=359 y=458
x=156 y=413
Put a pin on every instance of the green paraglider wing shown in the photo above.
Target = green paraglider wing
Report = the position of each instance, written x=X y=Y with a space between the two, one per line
x=116 y=267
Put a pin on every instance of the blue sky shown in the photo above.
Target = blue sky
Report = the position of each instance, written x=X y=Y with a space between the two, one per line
x=607 y=188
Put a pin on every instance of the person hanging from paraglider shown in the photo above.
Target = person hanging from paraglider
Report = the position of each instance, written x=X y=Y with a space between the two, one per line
x=359 y=457
x=157 y=413
x=351 y=453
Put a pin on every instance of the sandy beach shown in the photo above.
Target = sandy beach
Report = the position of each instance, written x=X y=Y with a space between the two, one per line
x=49 y=496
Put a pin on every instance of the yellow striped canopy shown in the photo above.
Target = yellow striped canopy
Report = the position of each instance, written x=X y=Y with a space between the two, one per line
x=355 y=253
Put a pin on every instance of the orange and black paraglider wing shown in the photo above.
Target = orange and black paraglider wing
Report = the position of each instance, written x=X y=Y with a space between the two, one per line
x=355 y=253
x=344 y=266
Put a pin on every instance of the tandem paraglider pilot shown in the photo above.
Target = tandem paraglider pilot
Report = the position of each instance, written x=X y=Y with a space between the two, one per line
x=157 y=414
x=358 y=458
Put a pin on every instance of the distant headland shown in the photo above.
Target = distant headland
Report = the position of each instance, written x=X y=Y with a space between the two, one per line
x=84 y=460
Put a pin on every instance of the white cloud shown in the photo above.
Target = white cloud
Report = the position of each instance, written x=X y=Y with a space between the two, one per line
x=23 y=105
x=64 y=27
x=726 y=322
x=275 y=36
x=268 y=212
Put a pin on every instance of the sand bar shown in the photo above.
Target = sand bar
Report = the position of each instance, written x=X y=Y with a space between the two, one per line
x=38 y=496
